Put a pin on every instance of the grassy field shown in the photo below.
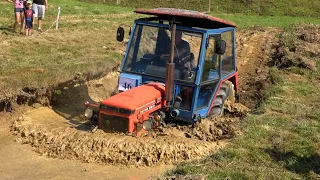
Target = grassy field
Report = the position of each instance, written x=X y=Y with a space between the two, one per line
x=84 y=44
x=244 y=21
x=283 y=142
x=295 y=8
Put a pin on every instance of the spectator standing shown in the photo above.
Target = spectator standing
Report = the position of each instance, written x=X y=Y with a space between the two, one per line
x=18 y=14
x=29 y=14
x=40 y=7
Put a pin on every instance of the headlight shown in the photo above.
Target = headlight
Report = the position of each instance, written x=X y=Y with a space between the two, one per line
x=147 y=125
x=88 y=113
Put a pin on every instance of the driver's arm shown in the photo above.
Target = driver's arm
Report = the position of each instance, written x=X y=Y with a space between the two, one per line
x=179 y=52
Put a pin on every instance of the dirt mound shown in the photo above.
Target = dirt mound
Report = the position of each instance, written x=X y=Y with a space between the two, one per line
x=50 y=134
x=299 y=47
x=213 y=130
x=309 y=33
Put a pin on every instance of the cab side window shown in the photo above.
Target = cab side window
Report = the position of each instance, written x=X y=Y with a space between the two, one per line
x=227 y=60
x=211 y=63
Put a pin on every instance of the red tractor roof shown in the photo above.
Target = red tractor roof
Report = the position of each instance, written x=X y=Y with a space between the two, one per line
x=188 y=17
x=137 y=97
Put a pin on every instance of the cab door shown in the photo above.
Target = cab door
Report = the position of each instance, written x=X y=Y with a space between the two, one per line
x=210 y=76
x=228 y=62
x=216 y=69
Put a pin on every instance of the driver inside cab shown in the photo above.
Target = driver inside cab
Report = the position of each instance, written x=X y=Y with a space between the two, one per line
x=181 y=55
x=181 y=48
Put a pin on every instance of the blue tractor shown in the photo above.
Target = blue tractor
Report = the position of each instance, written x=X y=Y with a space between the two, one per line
x=179 y=65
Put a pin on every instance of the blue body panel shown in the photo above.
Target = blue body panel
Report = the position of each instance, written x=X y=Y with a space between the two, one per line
x=197 y=99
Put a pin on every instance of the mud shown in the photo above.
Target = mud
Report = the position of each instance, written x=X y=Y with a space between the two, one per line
x=62 y=132
x=212 y=130
x=51 y=135
x=19 y=161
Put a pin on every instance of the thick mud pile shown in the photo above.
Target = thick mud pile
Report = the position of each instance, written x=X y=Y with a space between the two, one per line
x=50 y=134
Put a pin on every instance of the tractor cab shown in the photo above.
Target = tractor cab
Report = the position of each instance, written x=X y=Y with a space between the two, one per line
x=179 y=64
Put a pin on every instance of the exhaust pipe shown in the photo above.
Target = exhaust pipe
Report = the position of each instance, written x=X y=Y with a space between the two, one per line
x=174 y=113
x=170 y=68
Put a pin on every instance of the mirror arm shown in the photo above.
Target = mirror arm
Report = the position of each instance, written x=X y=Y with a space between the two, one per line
x=127 y=26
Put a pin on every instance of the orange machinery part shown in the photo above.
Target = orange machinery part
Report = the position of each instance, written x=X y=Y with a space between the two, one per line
x=143 y=100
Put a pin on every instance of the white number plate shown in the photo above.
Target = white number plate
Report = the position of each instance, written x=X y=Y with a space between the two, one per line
x=126 y=83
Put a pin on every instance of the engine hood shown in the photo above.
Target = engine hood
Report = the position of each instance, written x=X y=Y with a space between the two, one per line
x=137 y=97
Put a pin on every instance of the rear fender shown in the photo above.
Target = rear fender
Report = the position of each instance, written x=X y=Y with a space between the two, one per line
x=234 y=79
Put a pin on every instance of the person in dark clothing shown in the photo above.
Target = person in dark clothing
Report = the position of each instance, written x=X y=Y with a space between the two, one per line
x=182 y=56
x=40 y=7
x=29 y=14
x=181 y=48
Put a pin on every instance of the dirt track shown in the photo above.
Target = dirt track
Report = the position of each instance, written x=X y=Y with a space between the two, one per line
x=255 y=48
x=68 y=137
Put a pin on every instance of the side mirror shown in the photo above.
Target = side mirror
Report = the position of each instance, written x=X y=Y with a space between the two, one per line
x=120 y=34
x=220 y=47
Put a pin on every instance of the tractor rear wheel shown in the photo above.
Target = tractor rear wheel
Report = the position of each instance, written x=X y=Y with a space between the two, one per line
x=226 y=91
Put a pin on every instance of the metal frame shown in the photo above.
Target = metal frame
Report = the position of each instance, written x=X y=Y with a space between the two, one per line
x=203 y=112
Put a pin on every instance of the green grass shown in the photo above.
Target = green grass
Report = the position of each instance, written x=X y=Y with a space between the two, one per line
x=84 y=44
x=244 y=21
x=281 y=143
x=294 y=8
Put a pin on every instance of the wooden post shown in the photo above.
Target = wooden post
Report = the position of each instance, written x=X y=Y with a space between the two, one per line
x=58 y=17
x=259 y=7
x=209 y=5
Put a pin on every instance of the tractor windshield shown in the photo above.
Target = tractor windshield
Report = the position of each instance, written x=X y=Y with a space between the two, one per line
x=150 y=48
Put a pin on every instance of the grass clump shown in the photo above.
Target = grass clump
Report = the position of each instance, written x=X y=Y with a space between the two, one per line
x=275 y=76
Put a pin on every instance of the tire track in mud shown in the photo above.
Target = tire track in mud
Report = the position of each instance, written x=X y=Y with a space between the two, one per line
x=255 y=48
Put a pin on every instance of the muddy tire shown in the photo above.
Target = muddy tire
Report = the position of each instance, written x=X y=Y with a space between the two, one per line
x=226 y=91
